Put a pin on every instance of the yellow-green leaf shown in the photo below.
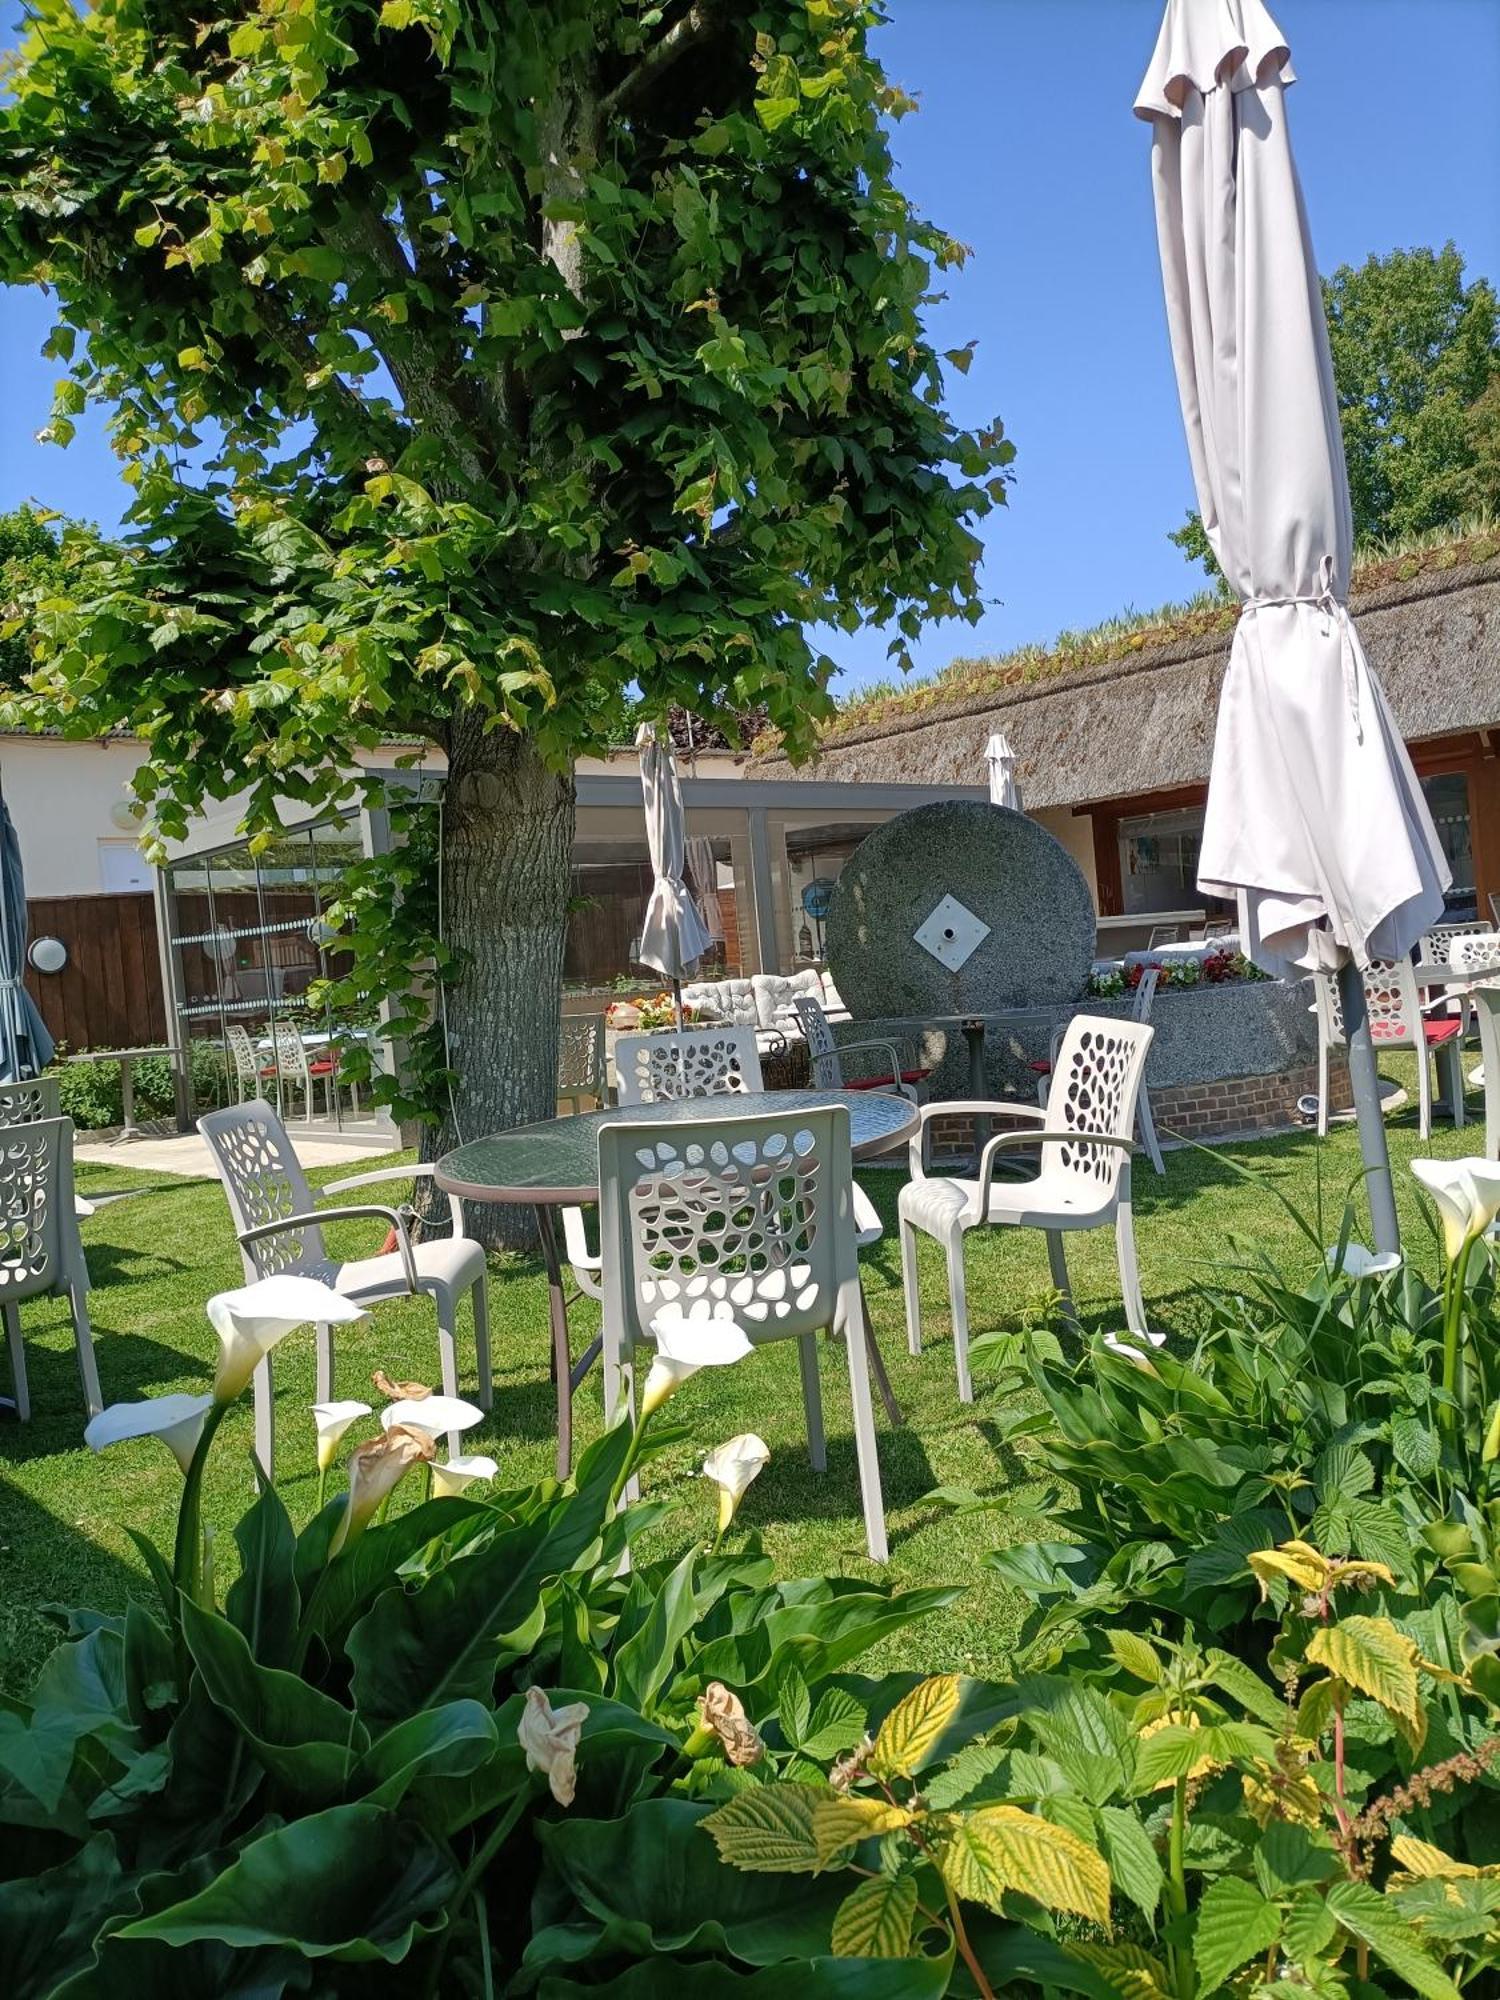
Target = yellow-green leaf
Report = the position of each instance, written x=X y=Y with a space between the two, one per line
x=1297 y=1563
x=875 y=1921
x=1371 y=1655
x=1418 y=1857
x=768 y=1830
x=839 y=1822
x=984 y=1853
x=1128 y=1971
x=1136 y=1655
x=914 y=1727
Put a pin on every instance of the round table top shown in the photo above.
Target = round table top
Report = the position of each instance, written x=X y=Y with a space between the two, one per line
x=557 y=1160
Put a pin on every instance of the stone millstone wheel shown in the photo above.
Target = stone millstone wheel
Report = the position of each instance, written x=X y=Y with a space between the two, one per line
x=1004 y=870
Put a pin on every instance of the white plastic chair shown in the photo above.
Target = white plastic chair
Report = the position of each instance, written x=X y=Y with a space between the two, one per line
x=1140 y=1010
x=246 y=1062
x=1486 y=1003
x=697 y=1062
x=580 y=1060
x=749 y=1220
x=280 y=1229
x=1082 y=1180
x=1163 y=934
x=826 y=1055
x=41 y=1254
x=1398 y=1020
x=1329 y=1010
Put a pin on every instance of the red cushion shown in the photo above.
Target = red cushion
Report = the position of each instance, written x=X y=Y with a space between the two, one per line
x=1438 y=1032
x=1040 y=1068
x=884 y=1082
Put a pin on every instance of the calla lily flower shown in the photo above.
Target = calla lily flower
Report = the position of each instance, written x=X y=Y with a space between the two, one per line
x=176 y=1420
x=332 y=1420
x=549 y=1736
x=1357 y=1262
x=375 y=1471
x=400 y=1392
x=1467 y=1194
x=1120 y=1343
x=684 y=1344
x=252 y=1320
x=731 y=1468
x=434 y=1414
x=721 y=1710
x=450 y=1480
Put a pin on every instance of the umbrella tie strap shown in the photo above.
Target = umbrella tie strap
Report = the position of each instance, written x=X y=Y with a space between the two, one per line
x=1335 y=612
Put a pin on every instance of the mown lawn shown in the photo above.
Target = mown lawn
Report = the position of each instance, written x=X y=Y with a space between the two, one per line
x=158 y=1254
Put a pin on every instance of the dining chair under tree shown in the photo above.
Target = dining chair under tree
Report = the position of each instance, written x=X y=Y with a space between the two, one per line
x=1082 y=1179
x=41 y=1255
x=749 y=1221
x=1399 y=1020
x=1142 y=1001
x=280 y=1229
x=729 y=1063
x=245 y=1061
x=580 y=1061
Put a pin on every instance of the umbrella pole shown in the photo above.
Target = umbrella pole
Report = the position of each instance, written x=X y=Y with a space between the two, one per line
x=1368 y=1110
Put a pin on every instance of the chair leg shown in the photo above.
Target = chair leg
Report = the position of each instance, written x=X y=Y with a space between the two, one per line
x=866 y=1447
x=323 y=1362
x=448 y=1360
x=1147 y=1126
x=1322 y=1088
x=18 y=1380
x=482 y=1343
x=877 y=1365
x=1453 y=1056
x=1424 y=1094
x=959 y=1301
x=265 y=1418
x=1130 y=1276
x=909 y=1288
x=83 y=1341
x=812 y=1400
x=1057 y=1260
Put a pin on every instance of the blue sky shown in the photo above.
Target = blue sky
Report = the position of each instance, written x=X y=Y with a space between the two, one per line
x=1025 y=147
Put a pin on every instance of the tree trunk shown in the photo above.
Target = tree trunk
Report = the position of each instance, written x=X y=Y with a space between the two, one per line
x=507 y=845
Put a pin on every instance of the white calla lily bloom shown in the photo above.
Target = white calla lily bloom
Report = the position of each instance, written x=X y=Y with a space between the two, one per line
x=332 y=1420
x=250 y=1322
x=1357 y=1262
x=732 y=1467
x=549 y=1736
x=176 y=1420
x=449 y=1480
x=1467 y=1194
x=686 y=1342
x=434 y=1414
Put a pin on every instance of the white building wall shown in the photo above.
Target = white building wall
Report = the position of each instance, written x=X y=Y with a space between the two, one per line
x=60 y=796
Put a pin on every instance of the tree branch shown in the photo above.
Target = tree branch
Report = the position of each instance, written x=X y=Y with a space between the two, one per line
x=695 y=26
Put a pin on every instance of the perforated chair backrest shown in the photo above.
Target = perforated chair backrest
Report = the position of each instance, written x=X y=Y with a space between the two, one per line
x=1475 y=951
x=24 y=1103
x=263 y=1181
x=242 y=1053
x=580 y=1055
x=36 y=1176
x=1438 y=942
x=1393 y=1003
x=1145 y=993
x=1095 y=1083
x=1329 y=1008
x=701 y=1062
x=291 y=1055
x=822 y=1049
x=744 y=1219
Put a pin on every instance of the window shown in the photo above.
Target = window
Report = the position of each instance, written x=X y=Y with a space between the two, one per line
x=123 y=869
x=1159 y=861
x=1447 y=796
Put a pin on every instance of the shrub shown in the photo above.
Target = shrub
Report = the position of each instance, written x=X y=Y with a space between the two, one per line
x=90 y=1093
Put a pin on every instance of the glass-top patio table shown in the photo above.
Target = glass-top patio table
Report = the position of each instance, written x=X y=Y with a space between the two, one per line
x=555 y=1164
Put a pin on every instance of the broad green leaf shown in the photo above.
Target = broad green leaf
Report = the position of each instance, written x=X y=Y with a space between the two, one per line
x=982 y=1854
x=1136 y=1655
x=875 y=1920
x=840 y=1821
x=353 y=1883
x=1307 y=1929
x=263 y=1601
x=836 y=1725
x=649 y=1657
x=818 y=1978
x=1372 y=1656
x=1133 y=1861
x=1375 y=1921
x=960 y=1777
x=793 y=1705
x=1121 y=1971
x=1415 y=1444
x=1235 y=1924
x=38 y=1755
x=446 y=1742
x=769 y=1829
x=1288 y=1857
x=914 y=1727
x=1180 y=1752
x=1247 y=1687
x=48 y=1921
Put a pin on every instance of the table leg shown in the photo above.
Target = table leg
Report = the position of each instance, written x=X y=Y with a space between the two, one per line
x=557 y=1313
x=127 y=1101
x=978 y=1086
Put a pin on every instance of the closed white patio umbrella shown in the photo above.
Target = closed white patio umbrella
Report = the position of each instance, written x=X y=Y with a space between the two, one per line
x=673 y=936
x=1315 y=823
x=1001 y=760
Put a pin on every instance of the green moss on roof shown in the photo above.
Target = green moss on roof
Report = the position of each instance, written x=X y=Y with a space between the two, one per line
x=964 y=680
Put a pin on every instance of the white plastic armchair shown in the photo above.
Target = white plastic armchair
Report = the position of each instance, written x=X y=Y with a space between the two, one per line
x=826 y=1055
x=280 y=1228
x=1399 y=1019
x=1083 y=1137
x=1140 y=1010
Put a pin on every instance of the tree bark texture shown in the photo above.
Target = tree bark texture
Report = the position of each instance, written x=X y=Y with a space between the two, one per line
x=507 y=843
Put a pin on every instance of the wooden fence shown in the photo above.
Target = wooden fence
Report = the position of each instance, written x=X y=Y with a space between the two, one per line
x=108 y=995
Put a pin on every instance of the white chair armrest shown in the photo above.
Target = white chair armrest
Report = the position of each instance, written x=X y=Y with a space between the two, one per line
x=317 y=1217
x=420 y=1171
x=587 y=1265
x=962 y=1107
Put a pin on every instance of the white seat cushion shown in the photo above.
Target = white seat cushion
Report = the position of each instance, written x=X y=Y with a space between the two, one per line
x=445 y=1263
x=775 y=992
x=730 y=1002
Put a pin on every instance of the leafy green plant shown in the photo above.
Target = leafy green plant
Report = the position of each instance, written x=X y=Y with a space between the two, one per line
x=90 y=1092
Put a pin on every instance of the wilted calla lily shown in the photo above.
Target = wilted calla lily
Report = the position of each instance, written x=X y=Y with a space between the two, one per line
x=685 y=1344
x=176 y=1420
x=731 y=1468
x=400 y=1392
x=332 y=1420
x=434 y=1414
x=375 y=1470
x=721 y=1710
x=250 y=1321
x=1467 y=1193
x=450 y=1480
x=549 y=1736
x=1356 y=1262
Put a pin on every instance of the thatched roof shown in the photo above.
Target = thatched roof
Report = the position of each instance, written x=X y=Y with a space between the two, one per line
x=1143 y=721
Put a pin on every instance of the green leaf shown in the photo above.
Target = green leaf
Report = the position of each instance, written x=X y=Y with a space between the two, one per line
x=352 y=1883
x=812 y=1978
x=837 y=1724
x=1374 y=1920
x=446 y=1742
x=876 y=1918
x=768 y=1829
x=963 y=1774
x=793 y=1705
x=1414 y=1444
x=1307 y=1929
x=1177 y=1751
x=1136 y=1655
x=1133 y=1860
x=1247 y=1688
x=914 y=1728
x=1371 y=1655
x=649 y=1657
x=841 y=1821
x=263 y=1600
x=48 y=1921
x=1235 y=1924
x=1289 y=1857
x=982 y=1854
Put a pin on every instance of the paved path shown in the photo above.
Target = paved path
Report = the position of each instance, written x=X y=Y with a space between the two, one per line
x=187 y=1154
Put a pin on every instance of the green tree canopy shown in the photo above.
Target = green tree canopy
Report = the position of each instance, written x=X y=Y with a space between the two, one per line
x=30 y=567
x=479 y=369
x=1416 y=362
